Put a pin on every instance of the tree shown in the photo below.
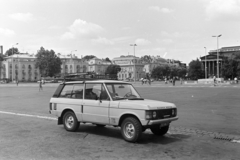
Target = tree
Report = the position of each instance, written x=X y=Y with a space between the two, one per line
x=161 y=71
x=88 y=57
x=107 y=59
x=48 y=62
x=231 y=67
x=113 y=69
x=146 y=59
x=1 y=57
x=11 y=51
x=195 y=70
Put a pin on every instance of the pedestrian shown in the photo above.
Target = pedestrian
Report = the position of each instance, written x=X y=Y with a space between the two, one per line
x=236 y=80
x=17 y=82
x=165 y=80
x=40 y=85
x=181 y=80
x=142 y=80
x=173 y=81
x=214 y=81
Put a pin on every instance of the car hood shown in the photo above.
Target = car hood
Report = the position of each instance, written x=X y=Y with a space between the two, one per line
x=145 y=104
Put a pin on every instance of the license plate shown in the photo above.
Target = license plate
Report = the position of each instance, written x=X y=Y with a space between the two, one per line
x=164 y=124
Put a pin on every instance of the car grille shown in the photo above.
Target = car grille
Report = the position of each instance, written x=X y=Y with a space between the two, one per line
x=166 y=113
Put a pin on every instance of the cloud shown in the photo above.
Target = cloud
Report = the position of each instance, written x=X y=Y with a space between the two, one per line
x=165 y=41
x=142 y=41
x=158 y=9
x=22 y=16
x=179 y=35
x=6 y=32
x=219 y=8
x=81 y=28
x=102 y=40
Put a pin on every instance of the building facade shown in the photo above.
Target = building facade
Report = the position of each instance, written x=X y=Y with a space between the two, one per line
x=128 y=64
x=209 y=62
x=21 y=67
x=98 y=66
x=72 y=64
x=24 y=67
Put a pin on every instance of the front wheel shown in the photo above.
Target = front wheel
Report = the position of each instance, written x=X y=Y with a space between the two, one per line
x=160 y=131
x=131 y=129
x=70 y=121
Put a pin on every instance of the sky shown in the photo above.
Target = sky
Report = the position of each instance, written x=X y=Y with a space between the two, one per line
x=173 y=29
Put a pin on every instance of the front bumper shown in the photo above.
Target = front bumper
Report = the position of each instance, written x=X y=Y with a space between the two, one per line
x=159 y=121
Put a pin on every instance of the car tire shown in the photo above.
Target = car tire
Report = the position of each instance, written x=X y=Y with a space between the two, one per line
x=160 y=131
x=70 y=121
x=131 y=129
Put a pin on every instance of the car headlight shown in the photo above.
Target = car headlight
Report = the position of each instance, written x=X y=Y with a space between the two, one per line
x=150 y=115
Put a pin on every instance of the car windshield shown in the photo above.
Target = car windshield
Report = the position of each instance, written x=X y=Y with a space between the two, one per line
x=122 y=91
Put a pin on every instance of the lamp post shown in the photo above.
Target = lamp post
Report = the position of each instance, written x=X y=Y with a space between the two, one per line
x=217 y=55
x=205 y=62
x=12 y=60
x=134 y=61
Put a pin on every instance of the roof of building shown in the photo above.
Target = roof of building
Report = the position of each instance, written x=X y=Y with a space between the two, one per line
x=129 y=57
x=21 y=55
x=227 y=49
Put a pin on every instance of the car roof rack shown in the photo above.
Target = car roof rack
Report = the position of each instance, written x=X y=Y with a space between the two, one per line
x=88 y=76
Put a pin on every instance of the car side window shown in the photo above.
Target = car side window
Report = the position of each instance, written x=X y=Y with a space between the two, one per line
x=67 y=91
x=91 y=91
x=95 y=92
x=77 y=92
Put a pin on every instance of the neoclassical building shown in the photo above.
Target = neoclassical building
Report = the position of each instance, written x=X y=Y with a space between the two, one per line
x=24 y=66
x=20 y=67
x=72 y=64
x=127 y=67
x=210 y=61
x=98 y=66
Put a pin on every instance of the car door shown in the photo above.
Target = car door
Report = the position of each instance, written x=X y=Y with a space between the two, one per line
x=95 y=104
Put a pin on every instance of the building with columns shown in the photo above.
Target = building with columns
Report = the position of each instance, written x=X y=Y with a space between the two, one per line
x=210 y=61
x=72 y=64
x=20 y=67
x=127 y=64
x=24 y=66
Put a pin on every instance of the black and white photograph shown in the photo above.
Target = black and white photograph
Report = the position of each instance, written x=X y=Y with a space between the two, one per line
x=119 y=79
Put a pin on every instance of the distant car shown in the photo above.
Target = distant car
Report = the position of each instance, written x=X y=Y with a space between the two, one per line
x=110 y=102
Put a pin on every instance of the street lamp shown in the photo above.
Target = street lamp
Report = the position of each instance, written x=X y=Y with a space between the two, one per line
x=12 y=60
x=134 y=61
x=205 y=62
x=217 y=55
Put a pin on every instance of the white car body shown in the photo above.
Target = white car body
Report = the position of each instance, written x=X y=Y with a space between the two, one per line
x=110 y=111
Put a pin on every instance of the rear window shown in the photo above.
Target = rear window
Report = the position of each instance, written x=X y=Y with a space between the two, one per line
x=72 y=91
x=59 y=89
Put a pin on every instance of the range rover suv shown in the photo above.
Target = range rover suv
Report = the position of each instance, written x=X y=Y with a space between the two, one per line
x=113 y=103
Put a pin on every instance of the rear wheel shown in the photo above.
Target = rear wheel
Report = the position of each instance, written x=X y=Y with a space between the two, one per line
x=131 y=129
x=160 y=131
x=70 y=121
